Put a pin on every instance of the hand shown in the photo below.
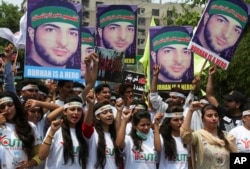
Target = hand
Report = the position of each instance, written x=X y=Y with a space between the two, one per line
x=126 y=114
x=195 y=105
x=157 y=118
x=87 y=61
x=195 y=83
x=156 y=70
x=91 y=97
x=3 y=118
x=95 y=58
x=56 y=124
x=22 y=165
x=119 y=105
x=30 y=103
x=212 y=70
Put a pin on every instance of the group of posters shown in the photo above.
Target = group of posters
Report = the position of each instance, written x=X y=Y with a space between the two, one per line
x=56 y=43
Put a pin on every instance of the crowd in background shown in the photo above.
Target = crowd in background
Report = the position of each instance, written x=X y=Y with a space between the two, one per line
x=65 y=124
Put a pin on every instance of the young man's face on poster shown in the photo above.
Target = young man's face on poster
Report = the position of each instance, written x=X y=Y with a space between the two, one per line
x=118 y=36
x=221 y=32
x=175 y=60
x=56 y=42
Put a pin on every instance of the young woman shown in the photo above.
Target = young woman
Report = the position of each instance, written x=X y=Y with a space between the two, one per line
x=138 y=147
x=64 y=144
x=18 y=137
x=167 y=140
x=101 y=135
x=211 y=146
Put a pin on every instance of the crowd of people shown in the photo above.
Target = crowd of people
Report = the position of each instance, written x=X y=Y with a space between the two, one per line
x=64 y=124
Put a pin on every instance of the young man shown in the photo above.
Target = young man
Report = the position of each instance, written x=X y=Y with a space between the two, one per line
x=54 y=34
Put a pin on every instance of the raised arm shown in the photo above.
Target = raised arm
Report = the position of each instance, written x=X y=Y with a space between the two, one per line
x=120 y=139
x=91 y=75
x=157 y=140
x=119 y=107
x=156 y=71
x=88 y=119
x=209 y=88
x=45 y=146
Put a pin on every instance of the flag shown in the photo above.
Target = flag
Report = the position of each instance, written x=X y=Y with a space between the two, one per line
x=145 y=60
x=198 y=63
x=18 y=39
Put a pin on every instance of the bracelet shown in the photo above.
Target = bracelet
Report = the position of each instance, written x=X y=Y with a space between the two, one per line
x=46 y=143
x=50 y=136
x=37 y=159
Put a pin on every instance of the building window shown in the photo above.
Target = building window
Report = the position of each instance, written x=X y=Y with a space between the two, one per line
x=85 y=24
x=140 y=51
x=141 y=10
x=98 y=3
x=141 y=42
x=85 y=14
x=85 y=3
x=141 y=32
x=155 y=12
x=169 y=13
x=141 y=21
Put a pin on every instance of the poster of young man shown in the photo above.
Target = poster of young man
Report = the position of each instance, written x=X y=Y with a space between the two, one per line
x=111 y=62
x=53 y=40
x=169 y=47
x=220 y=30
x=116 y=29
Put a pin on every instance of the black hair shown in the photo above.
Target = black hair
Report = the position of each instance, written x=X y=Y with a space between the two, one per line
x=220 y=133
x=68 y=144
x=101 y=145
x=136 y=118
x=124 y=86
x=22 y=129
x=100 y=87
x=166 y=132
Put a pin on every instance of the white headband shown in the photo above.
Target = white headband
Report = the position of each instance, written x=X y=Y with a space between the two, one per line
x=102 y=109
x=138 y=106
x=77 y=89
x=72 y=104
x=27 y=87
x=40 y=92
x=174 y=114
x=177 y=94
x=204 y=101
x=6 y=99
x=246 y=112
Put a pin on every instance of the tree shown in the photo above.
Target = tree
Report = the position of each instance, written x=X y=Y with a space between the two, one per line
x=236 y=77
x=9 y=18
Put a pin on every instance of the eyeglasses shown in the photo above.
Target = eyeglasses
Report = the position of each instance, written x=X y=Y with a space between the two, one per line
x=8 y=104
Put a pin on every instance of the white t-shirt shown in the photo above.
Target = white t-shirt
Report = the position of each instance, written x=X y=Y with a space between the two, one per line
x=55 y=159
x=110 y=153
x=181 y=161
x=146 y=159
x=12 y=146
x=242 y=138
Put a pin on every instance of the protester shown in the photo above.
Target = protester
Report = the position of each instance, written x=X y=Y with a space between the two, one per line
x=167 y=140
x=19 y=137
x=138 y=147
x=100 y=134
x=231 y=112
x=242 y=133
x=64 y=145
x=211 y=146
